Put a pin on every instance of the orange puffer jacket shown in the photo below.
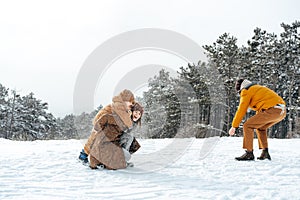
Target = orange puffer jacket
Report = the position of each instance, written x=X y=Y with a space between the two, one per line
x=257 y=98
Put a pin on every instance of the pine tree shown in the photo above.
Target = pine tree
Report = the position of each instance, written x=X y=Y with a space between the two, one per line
x=263 y=56
x=224 y=56
x=290 y=71
x=84 y=124
x=68 y=128
x=163 y=107
x=4 y=109
x=192 y=84
x=12 y=122
x=31 y=119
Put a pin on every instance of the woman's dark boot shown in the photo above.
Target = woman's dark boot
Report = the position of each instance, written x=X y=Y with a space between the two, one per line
x=246 y=156
x=83 y=156
x=264 y=155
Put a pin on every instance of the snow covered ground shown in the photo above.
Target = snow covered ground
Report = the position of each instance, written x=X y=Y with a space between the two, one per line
x=189 y=169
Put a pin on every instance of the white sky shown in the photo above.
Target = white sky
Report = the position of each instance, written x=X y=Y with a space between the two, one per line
x=43 y=44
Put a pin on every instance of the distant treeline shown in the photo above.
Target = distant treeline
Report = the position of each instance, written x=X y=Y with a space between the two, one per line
x=27 y=118
x=200 y=102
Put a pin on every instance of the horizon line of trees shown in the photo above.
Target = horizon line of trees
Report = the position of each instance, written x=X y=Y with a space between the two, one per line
x=27 y=118
x=200 y=102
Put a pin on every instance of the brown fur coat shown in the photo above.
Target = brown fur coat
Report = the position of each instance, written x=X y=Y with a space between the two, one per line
x=106 y=149
x=117 y=107
x=90 y=141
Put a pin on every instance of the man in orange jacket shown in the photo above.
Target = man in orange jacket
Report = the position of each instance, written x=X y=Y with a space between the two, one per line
x=270 y=109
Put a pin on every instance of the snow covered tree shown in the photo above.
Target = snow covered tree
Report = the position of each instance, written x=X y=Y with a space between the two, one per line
x=68 y=128
x=224 y=56
x=31 y=120
x=162 y=105
x=192 y=74
x=289 y=74
x=84 y=123
x=192 y=85
x=3 y=111
x=12 y=125
x=205 y=102
x=264 y=58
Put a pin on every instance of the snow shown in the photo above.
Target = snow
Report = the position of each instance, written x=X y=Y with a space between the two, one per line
x=164 y=169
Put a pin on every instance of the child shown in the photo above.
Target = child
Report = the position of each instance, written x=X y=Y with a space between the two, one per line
x=127 y=141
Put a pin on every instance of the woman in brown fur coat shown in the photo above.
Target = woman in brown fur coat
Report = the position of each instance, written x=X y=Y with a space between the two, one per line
x=113 y=144
x=121 y=104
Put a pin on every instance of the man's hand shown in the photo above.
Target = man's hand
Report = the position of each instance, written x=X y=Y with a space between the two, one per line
x=232 y=131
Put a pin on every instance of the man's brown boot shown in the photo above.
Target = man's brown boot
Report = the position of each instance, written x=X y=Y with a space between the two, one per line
x=264 y=155
x=246 y=156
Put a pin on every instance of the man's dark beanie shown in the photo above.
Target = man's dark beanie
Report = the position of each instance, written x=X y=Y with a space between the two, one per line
x=238 y=84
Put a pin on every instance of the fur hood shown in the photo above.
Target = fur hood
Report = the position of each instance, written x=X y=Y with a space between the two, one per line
x=119 y=107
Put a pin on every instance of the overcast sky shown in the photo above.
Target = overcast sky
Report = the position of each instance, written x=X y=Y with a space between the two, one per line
x=43 y=44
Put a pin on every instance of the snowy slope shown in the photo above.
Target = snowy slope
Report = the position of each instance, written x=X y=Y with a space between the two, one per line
x=190 y=169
